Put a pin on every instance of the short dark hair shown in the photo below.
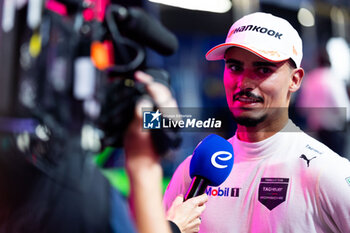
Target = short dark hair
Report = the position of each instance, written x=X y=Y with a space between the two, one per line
x=292 y=63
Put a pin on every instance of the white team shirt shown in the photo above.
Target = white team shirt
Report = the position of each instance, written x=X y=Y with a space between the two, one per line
x=288 y=182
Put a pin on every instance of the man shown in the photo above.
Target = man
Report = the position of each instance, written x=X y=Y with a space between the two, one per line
x=282 y=179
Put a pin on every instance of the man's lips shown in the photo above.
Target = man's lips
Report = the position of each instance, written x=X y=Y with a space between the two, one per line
x=247 y=97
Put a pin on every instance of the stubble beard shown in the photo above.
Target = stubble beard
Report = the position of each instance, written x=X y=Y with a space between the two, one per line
x=249 y=121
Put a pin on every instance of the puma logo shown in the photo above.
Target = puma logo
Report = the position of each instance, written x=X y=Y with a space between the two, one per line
x=306 y=159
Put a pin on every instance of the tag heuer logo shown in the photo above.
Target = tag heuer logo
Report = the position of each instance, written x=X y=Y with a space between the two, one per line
x=273 y=191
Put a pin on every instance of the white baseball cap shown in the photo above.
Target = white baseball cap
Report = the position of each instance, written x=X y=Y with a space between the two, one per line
x=271 y=38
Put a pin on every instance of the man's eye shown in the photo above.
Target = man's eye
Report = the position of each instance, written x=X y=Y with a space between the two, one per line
x=235 y=68
x=264 y=70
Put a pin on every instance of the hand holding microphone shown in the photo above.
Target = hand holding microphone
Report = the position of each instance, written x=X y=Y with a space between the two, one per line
x=186 y=215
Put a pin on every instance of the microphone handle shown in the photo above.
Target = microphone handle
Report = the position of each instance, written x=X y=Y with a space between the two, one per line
x=197 y=187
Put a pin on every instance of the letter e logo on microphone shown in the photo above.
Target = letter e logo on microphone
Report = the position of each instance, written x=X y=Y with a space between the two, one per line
x=216 y=155
x=212 y=160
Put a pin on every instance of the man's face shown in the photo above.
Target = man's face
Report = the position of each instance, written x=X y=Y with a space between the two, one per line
x=256 y=89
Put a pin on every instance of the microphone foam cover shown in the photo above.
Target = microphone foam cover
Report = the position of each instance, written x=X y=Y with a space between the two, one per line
x=148 y=31
x=212 y=159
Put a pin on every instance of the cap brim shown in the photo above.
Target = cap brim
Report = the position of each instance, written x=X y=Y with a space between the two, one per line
x=218 y=52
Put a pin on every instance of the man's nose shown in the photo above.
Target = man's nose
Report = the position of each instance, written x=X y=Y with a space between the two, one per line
x=245 y=81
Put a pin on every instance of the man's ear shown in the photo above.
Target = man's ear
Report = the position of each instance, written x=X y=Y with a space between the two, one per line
x=297 y=77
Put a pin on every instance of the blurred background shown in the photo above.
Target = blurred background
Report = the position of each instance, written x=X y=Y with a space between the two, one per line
x=324 y=26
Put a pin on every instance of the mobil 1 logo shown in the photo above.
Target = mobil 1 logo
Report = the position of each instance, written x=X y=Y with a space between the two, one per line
x=272 y=191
